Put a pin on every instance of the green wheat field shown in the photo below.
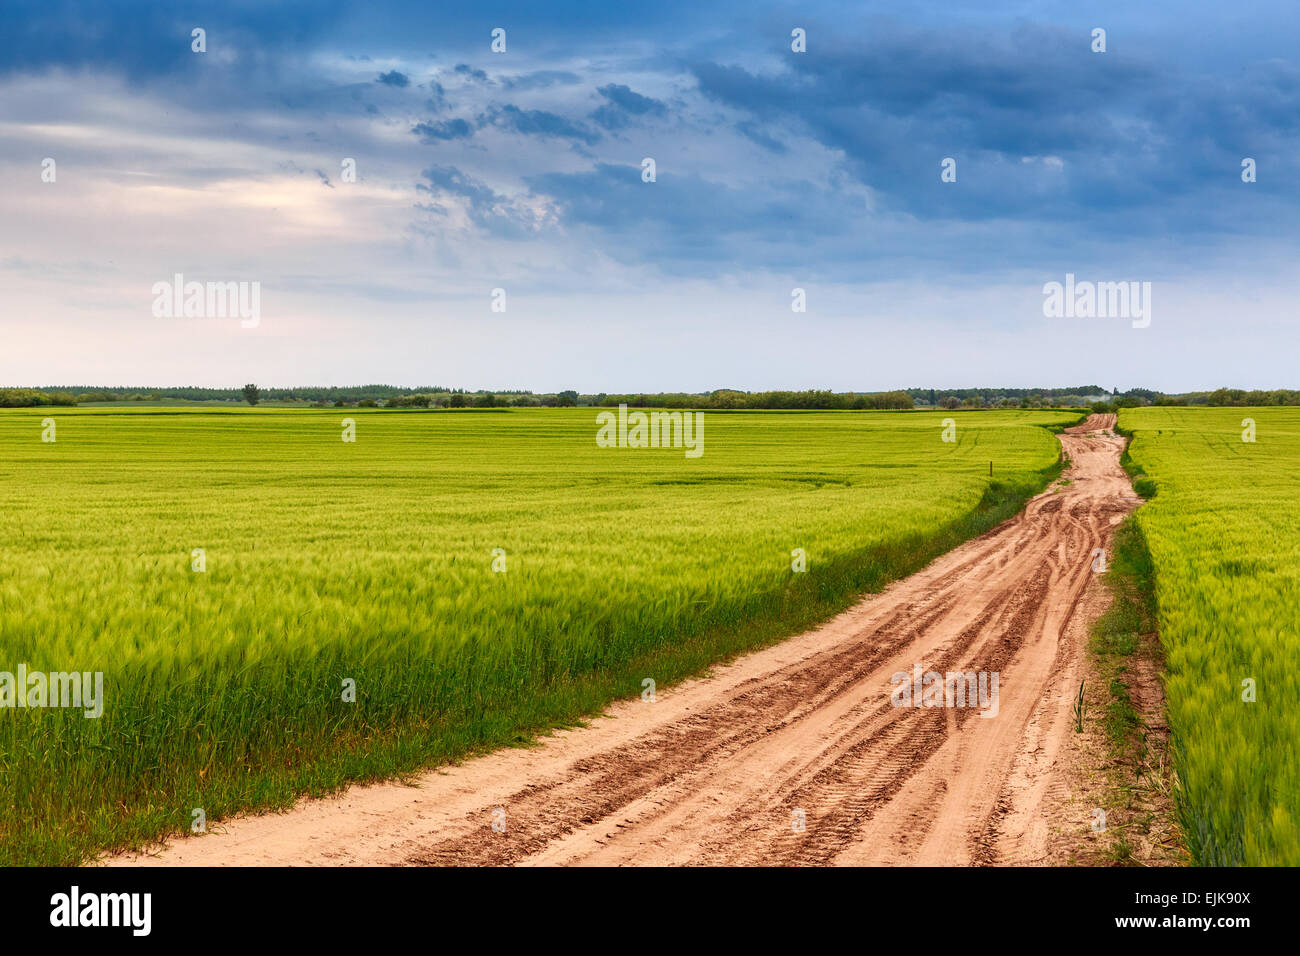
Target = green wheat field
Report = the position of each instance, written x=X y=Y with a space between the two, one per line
x=1223 y=529
x=373 y=561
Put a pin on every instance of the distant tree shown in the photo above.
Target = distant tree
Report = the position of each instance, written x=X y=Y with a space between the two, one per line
x=366 y=403
x=29 y=397
x=251 y=394
x=457 y=400
x=567 y=399
x=1227 y=396
x=950 y=401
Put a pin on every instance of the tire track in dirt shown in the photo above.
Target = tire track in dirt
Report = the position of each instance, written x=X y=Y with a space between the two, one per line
x=718 y=770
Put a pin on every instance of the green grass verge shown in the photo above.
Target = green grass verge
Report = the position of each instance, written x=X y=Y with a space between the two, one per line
x=1124 y=639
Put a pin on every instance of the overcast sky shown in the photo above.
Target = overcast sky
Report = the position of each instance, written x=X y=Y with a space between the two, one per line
x=775 y=169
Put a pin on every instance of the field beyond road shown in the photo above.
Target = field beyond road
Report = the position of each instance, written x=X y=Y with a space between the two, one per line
x=326 y=562
x=1224 y=533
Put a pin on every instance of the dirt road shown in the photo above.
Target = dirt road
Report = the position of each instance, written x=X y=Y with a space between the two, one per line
x=795 y=754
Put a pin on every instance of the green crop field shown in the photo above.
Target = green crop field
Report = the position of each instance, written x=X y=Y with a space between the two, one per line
x=1224 y=533
x=372 y=561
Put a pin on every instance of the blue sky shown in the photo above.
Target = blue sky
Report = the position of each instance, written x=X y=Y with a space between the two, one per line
x=522 y=171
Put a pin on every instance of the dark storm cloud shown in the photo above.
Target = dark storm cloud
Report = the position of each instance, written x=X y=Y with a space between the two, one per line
x=541 y=123
x=446 y=130
x=1040 y=126
x=623 y=104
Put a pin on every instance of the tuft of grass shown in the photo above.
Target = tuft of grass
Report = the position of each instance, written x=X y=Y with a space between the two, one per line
x=1121 y=852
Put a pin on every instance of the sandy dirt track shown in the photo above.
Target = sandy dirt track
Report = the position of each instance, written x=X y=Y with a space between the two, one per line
x=719 y=770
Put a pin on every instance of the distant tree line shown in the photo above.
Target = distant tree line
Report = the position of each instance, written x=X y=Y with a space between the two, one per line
x=1237 y=396
x=1219 y=397
x=305 y=394
x=389 y=396
x=1095 y=397
x=424 y=396
x=728 y=398
x=444 y=398
x=1072 y=397
x=30 y=397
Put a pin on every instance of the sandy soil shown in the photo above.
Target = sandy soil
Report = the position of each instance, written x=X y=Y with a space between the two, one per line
x=794 y=754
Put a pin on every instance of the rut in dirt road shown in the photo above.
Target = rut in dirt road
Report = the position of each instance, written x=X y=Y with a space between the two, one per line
x=792 y=755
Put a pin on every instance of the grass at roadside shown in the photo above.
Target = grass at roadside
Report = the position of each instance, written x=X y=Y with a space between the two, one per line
x=1129 y=661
